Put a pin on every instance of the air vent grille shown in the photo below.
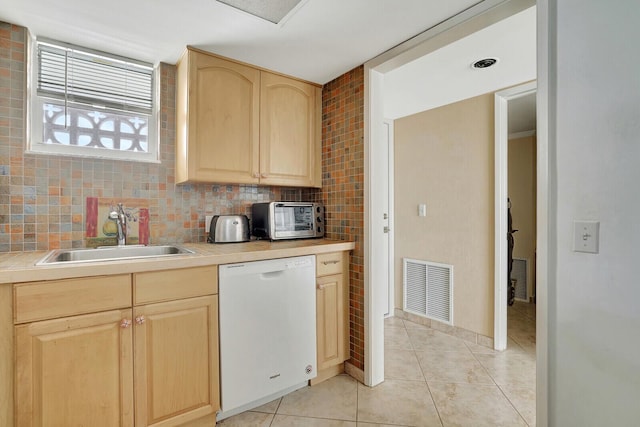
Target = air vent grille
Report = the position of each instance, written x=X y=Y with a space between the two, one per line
x=428 y=289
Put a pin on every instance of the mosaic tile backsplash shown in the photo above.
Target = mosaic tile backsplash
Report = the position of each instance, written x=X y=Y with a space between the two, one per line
x=43 y=198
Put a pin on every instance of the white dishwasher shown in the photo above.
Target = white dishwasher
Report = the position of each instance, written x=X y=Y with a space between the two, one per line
x=267 y=330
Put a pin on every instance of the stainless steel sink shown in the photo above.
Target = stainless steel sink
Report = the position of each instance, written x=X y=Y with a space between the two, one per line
x=111 y=253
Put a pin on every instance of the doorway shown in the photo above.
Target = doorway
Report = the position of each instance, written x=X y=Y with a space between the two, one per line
x=376 y=286
x=501 y=278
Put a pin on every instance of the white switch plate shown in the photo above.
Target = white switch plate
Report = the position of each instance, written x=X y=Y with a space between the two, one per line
x=207 y=222
x=586 y=236
x=422 y=209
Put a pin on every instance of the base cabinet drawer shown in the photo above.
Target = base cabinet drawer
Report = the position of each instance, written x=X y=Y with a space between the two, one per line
x=59 y=298
x=333 y=263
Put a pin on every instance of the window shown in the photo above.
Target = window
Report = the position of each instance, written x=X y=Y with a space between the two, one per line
x=89 y=103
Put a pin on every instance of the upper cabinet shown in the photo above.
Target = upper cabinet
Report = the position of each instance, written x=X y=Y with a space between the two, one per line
x=218 y=121
x=290 y=134
x=242 y=125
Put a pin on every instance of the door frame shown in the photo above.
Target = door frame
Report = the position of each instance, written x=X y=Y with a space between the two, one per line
x=501 y=193
x=455 y=28
x=392 y=271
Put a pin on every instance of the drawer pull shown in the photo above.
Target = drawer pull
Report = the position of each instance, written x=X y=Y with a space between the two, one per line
x=140 y=320
x=330 y=262
x=125 y=323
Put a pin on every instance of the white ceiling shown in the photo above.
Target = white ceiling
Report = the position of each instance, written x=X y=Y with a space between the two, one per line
x=321 y=40
x=445 y=76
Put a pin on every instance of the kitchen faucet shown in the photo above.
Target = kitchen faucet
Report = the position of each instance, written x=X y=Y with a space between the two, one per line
x=121 y=221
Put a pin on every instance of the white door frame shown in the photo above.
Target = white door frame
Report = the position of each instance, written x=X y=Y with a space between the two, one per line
x=467 y=22
x=392 y=271
x=500 y=275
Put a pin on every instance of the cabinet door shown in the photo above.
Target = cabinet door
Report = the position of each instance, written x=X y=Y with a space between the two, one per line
x=176 y=361
x=223 y=129
x=290 y=133
x=332 y=321
x=76 y=371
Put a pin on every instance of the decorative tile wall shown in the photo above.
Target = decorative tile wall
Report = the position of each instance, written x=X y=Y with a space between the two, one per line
x=343 y=186
x=43 y=198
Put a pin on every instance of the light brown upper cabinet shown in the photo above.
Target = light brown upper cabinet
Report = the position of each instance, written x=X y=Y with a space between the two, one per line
x=242 y=125
x=218 y=121
x=289 y=132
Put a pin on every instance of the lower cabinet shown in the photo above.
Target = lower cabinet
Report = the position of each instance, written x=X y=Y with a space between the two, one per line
x=76 y=371
x=332 y=313
x=154 y=364
x=176 y=361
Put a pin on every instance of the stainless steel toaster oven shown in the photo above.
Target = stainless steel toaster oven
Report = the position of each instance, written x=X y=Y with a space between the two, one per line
x=287 y=220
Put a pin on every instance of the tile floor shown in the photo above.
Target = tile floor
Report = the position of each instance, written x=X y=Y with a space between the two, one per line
x=431 y=379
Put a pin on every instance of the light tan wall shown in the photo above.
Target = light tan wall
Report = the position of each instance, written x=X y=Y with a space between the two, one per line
x=444 y=158
x=522 y=192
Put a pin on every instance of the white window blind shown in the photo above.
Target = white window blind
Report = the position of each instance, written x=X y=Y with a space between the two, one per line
x=74 y=74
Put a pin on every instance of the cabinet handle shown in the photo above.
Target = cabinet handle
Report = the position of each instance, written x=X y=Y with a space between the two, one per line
x=125 y=323
x=140 y=320
x=264 y=175
x=256 y=175
x=330 y=262
x=321 y=287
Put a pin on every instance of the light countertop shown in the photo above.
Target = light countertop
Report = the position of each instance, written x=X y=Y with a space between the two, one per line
x=18 y=267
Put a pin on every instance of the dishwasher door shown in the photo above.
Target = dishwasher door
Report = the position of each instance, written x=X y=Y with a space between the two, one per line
x=267 y=329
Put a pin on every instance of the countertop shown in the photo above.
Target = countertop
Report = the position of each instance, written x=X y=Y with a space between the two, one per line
x=18 y=267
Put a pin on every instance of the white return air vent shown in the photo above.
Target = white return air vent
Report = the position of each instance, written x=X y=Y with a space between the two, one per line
x=428 y=289
x=519 y=272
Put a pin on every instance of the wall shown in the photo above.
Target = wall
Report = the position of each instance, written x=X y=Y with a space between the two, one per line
x=522 y=192
x=593 y=315
x=42 y=198
x=444 y=158
x=343 y=186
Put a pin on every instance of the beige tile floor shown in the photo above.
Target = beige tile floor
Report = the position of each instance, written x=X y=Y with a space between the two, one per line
x=431 y=379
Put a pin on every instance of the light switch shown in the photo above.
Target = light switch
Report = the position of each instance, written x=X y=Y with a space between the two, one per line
x=586 y=236
x=422 y=209
x=207 y=222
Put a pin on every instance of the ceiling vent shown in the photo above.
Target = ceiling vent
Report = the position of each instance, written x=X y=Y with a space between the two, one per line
x=273 y=10
x=484 y=63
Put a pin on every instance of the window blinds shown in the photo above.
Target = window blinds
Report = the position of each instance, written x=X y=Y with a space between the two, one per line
x=79 y=75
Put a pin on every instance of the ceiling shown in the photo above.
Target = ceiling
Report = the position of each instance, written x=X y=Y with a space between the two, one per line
x=522 y=114
x=446 y=76
x=318 y=41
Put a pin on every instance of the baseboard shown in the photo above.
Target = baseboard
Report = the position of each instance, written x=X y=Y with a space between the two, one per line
x=464 y=334
x=325 y=374
x=352 y=371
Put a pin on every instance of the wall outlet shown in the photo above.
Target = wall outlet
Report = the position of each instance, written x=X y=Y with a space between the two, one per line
x=422 y=209
x=207 y=222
